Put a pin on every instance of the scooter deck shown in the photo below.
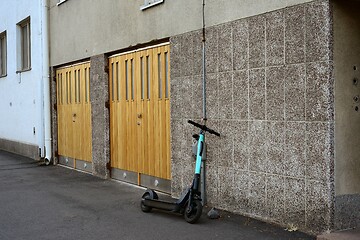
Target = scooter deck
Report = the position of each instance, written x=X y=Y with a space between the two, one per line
x=159 y=204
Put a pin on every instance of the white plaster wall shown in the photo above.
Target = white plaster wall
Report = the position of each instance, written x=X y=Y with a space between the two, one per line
x=21 y=93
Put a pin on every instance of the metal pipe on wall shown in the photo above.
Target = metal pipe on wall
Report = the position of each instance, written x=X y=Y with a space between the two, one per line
x=46 y=80
x=203 y=63
x=203 y=164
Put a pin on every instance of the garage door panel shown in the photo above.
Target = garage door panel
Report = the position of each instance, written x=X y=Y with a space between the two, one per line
x=139 y=107
x=74 y=113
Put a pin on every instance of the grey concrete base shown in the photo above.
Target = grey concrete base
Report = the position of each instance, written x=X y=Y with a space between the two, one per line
x=66 y=161
x=75 y=163
x=123 y=175
x=83 y=165
x=347 y=211
x=160 y=184
x=27 y=150
x=344 y=235
x=155 y=183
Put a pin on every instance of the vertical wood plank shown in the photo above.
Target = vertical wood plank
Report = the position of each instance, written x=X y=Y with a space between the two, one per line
x=74 y=113
x=140 y=123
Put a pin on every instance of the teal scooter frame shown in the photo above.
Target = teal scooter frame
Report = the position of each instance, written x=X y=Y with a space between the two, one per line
x=189 y=204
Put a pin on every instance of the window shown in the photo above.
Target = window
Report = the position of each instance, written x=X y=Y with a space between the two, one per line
x=150 y=3
x=3 y=47
x=25 y=45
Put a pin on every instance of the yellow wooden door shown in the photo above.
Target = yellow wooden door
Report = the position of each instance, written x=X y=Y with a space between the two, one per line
x=140 y=113
x=74 y=114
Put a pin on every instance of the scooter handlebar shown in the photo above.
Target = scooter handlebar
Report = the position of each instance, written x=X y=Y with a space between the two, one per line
x=204 y=127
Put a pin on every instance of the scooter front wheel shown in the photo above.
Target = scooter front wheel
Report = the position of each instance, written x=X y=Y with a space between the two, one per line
x=143 y=207
x=192 y=215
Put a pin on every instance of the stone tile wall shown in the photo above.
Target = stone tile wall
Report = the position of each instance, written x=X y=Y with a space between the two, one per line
x=99 y=95
x=270 y=95
x=54 y=119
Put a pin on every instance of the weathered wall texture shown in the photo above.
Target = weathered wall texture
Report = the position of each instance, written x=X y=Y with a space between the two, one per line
x=54 y=117
x=24 y=149
x=270 y=94
x=84 y=28
x=99 y=95
x=347 y=117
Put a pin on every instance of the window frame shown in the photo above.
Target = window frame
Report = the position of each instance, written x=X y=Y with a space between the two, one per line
x=3 y=55
x=24 y=61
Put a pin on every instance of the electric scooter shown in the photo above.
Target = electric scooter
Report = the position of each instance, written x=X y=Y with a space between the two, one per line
x=189 y=204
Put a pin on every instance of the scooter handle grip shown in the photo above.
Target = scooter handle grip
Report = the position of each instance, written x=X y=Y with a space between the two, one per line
x=205 y=128
x=213 y=132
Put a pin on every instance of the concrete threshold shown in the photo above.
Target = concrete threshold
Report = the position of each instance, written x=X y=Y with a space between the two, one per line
x=353 y=234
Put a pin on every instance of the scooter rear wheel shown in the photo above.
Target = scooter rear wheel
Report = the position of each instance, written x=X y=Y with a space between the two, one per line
x=195 y=213
x=143 y=207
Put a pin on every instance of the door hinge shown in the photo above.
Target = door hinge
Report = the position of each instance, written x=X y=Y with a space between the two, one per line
x=55 y=106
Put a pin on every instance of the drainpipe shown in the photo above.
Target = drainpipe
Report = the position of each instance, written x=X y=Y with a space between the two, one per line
x=203 y=164
x=46 y=79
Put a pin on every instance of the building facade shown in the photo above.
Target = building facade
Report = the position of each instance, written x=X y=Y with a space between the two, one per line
x=24 y=81
x=282 y=89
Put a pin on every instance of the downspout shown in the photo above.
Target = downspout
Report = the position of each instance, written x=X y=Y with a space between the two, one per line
x=203 y=164
x=203 y=63
x=46 y=80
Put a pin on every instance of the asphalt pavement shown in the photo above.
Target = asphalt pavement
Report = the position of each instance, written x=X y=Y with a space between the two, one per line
x=54 y=202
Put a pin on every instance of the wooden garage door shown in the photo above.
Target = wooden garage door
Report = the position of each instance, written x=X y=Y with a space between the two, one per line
x=140 y=116
x=74 y=116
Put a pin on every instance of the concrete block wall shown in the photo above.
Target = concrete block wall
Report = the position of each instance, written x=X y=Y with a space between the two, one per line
x=270 y=94
x=99 y=95
x=54 y=117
